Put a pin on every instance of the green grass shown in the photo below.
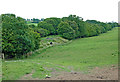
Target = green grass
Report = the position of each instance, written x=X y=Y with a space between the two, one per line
x=13 y=70
x=33 y=24
x=85 y=52
x=81 y=54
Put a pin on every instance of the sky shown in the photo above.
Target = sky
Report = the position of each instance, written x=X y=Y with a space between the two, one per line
x=101 y=10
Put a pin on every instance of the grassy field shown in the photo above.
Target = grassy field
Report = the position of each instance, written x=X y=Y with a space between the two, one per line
x=33 y=24
x=80 y=55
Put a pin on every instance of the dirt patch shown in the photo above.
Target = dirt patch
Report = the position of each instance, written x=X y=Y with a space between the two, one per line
x=106 y=73
x=29 y=76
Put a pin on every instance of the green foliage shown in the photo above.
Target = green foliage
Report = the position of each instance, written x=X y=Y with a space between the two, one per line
x=42 y=32
x=35 y=20
x=46 y=26
x=103 y=27
x=113 y=24
x=66 y=31
x=20 y=36
x=72 y=18
x=54 y=22
x=74 y=26
x=69 y=35
x=50 y=24
x=87 y=28
x=35 y=38
x=16 y=37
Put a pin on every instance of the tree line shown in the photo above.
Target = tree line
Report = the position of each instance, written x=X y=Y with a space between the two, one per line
x=18 y=38
x=34 y=20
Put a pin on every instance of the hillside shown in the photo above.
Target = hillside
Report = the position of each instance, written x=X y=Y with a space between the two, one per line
x=21 y=37
x=80 y=55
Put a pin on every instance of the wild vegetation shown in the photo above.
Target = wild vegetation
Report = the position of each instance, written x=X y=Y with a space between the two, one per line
x=19 y=37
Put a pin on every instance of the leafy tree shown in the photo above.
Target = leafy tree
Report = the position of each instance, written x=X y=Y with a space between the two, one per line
x=72 y=18
x=54 y=22
x=82 y=28
x=47 y=26
x=42 y=32
x=16 y=38
x=66 y=31
x=74 y=26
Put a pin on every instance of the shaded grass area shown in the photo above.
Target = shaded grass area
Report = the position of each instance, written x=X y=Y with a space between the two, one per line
x=81 y=54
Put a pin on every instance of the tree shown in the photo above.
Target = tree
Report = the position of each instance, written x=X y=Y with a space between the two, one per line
x=16 y=38
x=42 y=32
x=47 y=26
x=66 y=31
x=54 y=22
x=74 y=26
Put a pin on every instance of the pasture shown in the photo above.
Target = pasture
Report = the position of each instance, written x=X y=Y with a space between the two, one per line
x=79 y=55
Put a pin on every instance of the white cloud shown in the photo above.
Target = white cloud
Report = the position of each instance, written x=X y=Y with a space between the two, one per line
x=102 y=10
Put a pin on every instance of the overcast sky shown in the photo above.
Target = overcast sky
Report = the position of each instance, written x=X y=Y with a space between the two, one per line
x=101 y=10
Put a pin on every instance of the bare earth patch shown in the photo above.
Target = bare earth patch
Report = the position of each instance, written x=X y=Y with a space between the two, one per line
x=106 y=73
x=28 y=76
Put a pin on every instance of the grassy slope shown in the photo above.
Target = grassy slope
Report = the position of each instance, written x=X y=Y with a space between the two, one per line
x=81 y=54
x=86 y=52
